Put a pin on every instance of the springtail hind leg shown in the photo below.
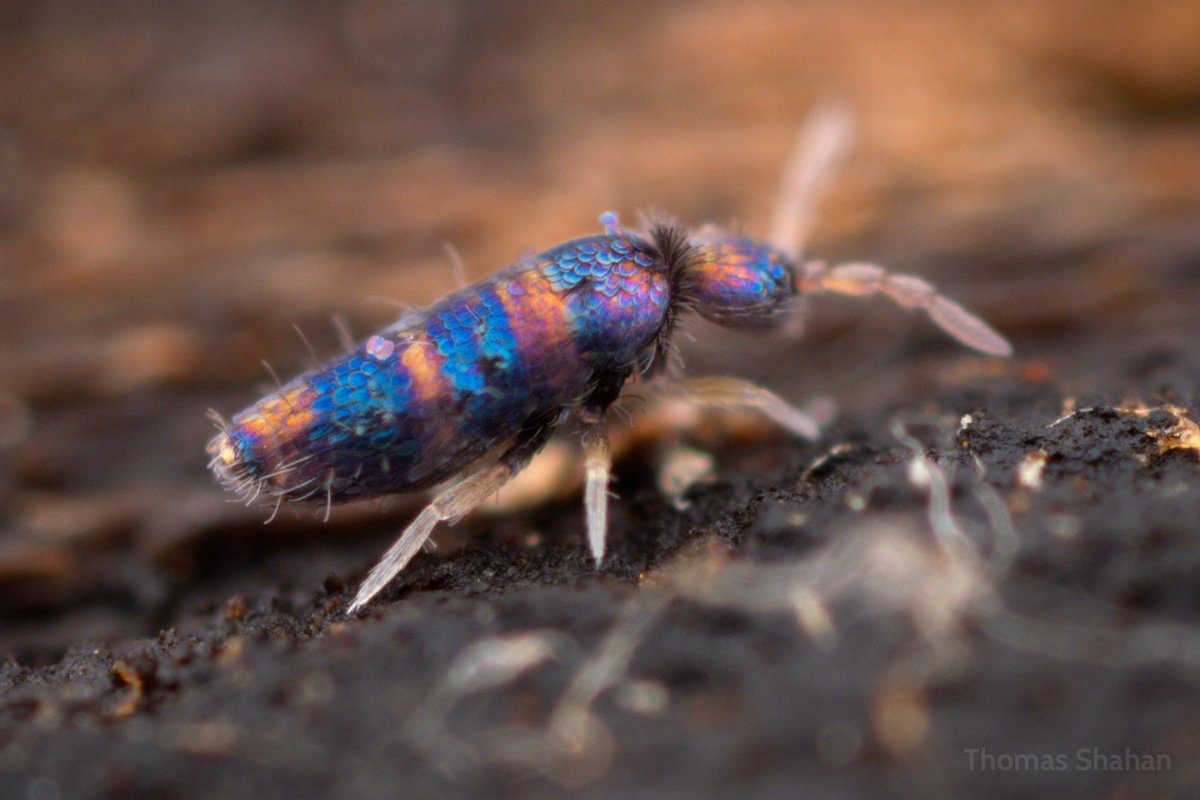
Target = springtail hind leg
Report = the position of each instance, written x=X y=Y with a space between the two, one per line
x=450 y=506
x=863 y=280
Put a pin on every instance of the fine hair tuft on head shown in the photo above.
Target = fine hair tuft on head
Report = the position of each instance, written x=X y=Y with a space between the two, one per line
x=676 y=251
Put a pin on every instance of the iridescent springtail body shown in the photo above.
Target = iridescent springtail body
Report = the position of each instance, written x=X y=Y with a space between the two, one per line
x=477 y=383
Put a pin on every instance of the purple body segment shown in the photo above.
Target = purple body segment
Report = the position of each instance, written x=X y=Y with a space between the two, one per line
x=740 y=282
x=423 y=399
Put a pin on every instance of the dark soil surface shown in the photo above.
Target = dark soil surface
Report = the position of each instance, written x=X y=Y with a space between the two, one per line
x=984 y=581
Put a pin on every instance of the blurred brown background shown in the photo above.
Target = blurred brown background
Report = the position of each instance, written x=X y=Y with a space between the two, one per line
x=182 y=183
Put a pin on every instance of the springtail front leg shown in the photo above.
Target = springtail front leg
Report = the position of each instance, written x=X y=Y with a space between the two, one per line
x=597 y=464
x=735 y=393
